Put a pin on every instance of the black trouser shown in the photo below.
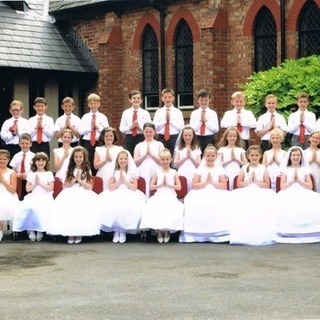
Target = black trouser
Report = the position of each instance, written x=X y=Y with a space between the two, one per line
x=41 y=147
x=13 y=149
x=169 y=144
x=265 y=145
x=204 y=141
x=91 y=149
x=131 y=142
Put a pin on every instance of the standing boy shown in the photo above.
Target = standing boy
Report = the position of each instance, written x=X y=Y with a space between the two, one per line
x=13 y=128
x=269 y=121
x=239 y=117
x=132 y=121
x=302 y=122
x=92 y=123
x=21 y=161
x=204 y=121
x=168 y=120
x=41 y=127
x=68 y=121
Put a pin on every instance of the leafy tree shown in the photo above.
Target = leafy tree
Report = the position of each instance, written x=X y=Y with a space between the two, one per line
x=286 y=82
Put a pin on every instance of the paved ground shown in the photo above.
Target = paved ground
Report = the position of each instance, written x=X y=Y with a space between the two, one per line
x=102 y=280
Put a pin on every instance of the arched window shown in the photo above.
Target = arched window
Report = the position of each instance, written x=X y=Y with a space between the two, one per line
x=309 y=30
x=184 y=66
x=150 y=69
x=265 y=40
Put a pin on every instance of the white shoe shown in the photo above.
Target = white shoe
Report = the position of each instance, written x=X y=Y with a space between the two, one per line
x=71 y=240
x=122 y=237
x=160 y=237
x=32 y=236
x=166 y=238
x=1 y=235
x=116 y=237
x=39 y=236
x=77 y=240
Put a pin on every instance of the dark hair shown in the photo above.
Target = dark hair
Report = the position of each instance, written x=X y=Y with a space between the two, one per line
x=210 y=146
x=103 y=132
x=149 y=125
x=293 y=149
x=25 y=136
x=203 y=93
x=39 y=100
x=85 y=166
x=194 y=141
x=39 y=156
x=134 y=92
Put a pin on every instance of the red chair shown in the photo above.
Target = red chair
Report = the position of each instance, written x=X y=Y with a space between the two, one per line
x=97 y=184
x=142 y=184
x=278 y=183
x=57 y=187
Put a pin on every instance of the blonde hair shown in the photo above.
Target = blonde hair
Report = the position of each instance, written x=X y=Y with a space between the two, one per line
x=67 y=99
x=271 y=96
x=238 y=94
x=16 y=103
x=165 y=152
x=93 y=97
x=276 y=132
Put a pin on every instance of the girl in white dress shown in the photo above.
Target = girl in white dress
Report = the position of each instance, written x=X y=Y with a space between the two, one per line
x=253 y=224
x=34 y=211
x=122 y=203
x=231 y=154
x=62 y=155
x=76 y=210
x=187 y=154
x=146 y=155
x=8 y=186
x=298 y=206
x=207 y=205
x=273 y=157
x=105 y=155
x=163 y=211
x=313 y=157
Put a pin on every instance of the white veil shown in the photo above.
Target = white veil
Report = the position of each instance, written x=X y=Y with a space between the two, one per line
x=285 y=160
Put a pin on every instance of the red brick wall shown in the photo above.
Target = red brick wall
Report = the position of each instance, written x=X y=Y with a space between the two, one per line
x=223 y=47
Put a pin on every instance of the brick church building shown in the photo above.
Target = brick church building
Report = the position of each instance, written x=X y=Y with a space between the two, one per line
x=115 y=46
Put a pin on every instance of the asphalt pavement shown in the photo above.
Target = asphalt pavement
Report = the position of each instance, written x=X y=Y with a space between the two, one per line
x=101 y=280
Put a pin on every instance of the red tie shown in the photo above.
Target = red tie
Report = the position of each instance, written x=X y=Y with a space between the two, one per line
x=14 y=126
x=134 y=131
x=239 y=126
x=167 y=128
x=203 y=126
x=302 y=137
x=23 y=164
x=39 y=132
x=93 y=132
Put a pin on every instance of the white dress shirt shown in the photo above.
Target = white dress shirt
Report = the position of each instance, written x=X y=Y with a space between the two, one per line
x=264 y=121
x=16 y=160
x=212 y=123
x=248 y=121
x=294 y=122
x=85 y=127
x=6 y=134
x=143 y=116
x=176 y=120
x=48 y=124
x=61 y=123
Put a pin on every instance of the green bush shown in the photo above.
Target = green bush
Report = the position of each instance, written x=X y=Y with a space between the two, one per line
x=286 y=82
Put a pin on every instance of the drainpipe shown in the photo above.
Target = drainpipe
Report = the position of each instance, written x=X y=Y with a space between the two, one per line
x=283 y=29
x=162 y=11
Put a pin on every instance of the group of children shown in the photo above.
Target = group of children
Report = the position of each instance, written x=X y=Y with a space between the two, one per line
x=220 y=181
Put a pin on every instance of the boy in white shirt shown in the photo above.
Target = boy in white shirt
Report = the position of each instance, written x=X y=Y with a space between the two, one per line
x=132 y=121
x=204 y=120
x=68 y=121
x=269 y=121
x=302 y=122
x=239 y=117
